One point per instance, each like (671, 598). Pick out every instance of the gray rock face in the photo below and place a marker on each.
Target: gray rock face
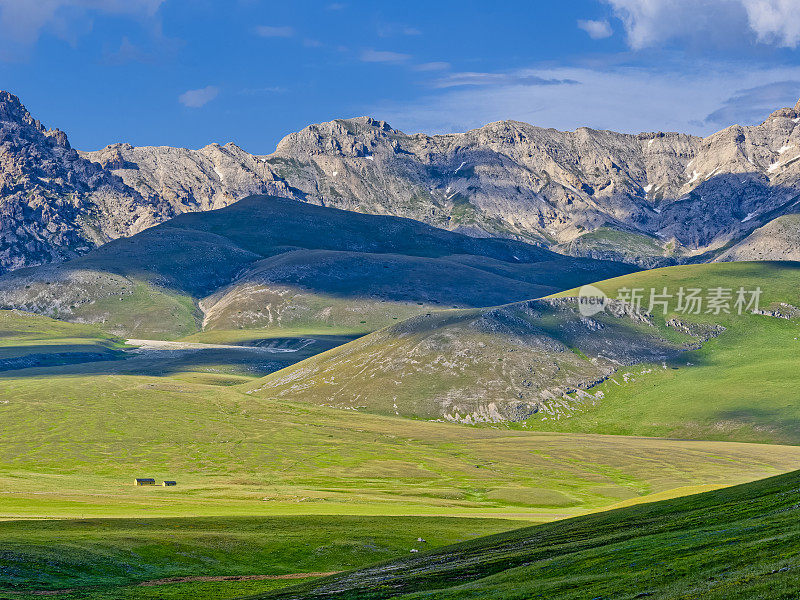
(184, 180)
(650, 199)
(57, 203)
(53, 203)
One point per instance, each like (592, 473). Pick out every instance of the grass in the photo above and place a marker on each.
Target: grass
(45, 341)
(110, 558)
(73, 436)
(736, 543)
(739, 386)
(271, 486)
(607, 241)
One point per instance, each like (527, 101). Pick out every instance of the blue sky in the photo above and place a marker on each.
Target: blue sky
(188, 73)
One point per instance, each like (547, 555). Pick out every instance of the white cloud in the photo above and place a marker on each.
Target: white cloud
(697, 100)
(775, 21)
(379, 56)
(271, 31)
(199, 97)
(709, 22)
(524, 77)
(597, 30)
(22, 21)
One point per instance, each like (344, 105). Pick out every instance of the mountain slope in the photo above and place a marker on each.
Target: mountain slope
(651, 199)
(56, 204)
(779, 239)
(672, 197)
(276, 263)
(618, 372)
(735, 543)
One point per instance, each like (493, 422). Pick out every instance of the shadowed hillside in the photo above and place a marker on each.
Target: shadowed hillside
(276, 263)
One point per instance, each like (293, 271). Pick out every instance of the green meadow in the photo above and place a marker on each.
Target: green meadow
(739, 543)
(270, 487)
(742, 385)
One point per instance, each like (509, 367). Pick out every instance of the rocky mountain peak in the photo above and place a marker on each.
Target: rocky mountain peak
(12, 110)
(652, 198)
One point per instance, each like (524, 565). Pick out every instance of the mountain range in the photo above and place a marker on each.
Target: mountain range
(649, 199)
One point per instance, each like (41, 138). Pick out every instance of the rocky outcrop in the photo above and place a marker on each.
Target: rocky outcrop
(53, 203)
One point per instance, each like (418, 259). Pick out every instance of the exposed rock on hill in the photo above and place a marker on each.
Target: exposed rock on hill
(506, 363)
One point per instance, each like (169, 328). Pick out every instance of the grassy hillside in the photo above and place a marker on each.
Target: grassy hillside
(28, 340)
(704, 376)
(736, 543)
(75, 433)
(110, 558)
(479, 365)
(275, 263)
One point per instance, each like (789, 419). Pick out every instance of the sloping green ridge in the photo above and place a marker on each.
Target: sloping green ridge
(739, 542)
(739, 384)
(152, 284)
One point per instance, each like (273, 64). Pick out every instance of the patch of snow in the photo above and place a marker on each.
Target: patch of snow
(748, 217)
(650, 143)
(335, 173)
(689, 164)
(649, 186)
(774, 167)
(657, 210)
(797, 120)
(219, 173)
(448, 190)
(459, 167)
(695, 177)
(785, 148)
(370, 157)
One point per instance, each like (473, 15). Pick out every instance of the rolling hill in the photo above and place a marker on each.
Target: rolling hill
(273, 263)
(544, 365)
(736, 543)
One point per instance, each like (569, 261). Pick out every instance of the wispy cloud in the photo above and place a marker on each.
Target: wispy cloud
(271, 89)
(753, 104)
(699, 100)
(709, 22)
(395, 29)
(272, 31)
(382, 56)
(199, 97)
(432, 66)
(336, 6)
(597, 30)
(22, 21)
(520, 78)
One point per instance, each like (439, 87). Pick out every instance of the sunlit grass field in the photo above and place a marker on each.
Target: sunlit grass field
(268, 487)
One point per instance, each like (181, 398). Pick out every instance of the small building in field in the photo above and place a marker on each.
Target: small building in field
(144, 481)
(169, 483)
